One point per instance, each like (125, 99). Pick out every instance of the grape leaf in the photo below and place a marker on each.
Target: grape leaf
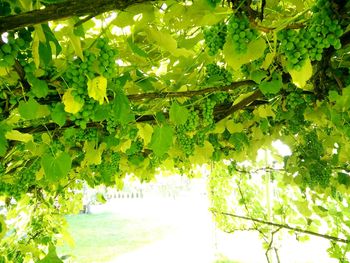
(58, 114)
(178, 114)
(202, 154)
(124, 19)
(268, 60)
(145, 83)
(32, 109)
(167, 42)
(121, 108)
(35, 49)
(258, 75)
(18, 136)
(136, 49)
(300, 77)
(57, 167)
(70, 104)
(93, 155)
(39, 87)
(342, 102)
(271, 87)
(234, 127)
(162, 139)
(45, 53)
(75, 40)
(97, 89)
(50, 37)
(234, 59)
(145, 132)
(100, 198)
(51, 257)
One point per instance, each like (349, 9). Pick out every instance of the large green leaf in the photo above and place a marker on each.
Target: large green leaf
(162, 139)
(178, 114)
(342, 102)
(39, 87)
(45, 53)
(121, 108)
(32, 109)
(235, 59)
(50, 37)
(273, 86)
(301, 76)
(57, 167)
(58, 114)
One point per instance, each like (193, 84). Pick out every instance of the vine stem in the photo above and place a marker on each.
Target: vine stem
(296, 229)
(63, 10)
(191, 93)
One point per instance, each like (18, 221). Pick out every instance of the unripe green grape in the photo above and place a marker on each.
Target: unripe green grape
(6, 48)
(214, 37)
(10, 60)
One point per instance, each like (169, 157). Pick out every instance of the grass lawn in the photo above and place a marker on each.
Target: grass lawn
(102, 237)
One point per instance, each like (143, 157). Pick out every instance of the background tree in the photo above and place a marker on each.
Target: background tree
(92, 90)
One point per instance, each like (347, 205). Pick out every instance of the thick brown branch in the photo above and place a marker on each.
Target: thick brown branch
(296, 229)
(240, 105)
(63, 10)
(191, 93)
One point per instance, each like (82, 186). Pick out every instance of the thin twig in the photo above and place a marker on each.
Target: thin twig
(296, 229)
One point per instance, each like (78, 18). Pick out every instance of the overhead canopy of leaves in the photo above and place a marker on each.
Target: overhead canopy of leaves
(91, 91)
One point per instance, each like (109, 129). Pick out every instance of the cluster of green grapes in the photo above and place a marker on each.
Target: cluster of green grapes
(239, 30)
(192, 122)
(90, 134)
(316, 171)
(200, 137)
(78, 72)
(25, 57)
(294, 47)
(73, 136)
(9, 51)
(6, 8)
(219, 97)
(319, 174)
(115, 158)
(208, 112)
(107, 170)
(322, 32)
(293, 114)
(107, 58)
(56, 146)
(217, 76)
(132, 131)
(24, 180)
(83, 117)
(295, 100)
(185, 141)
(111, 124)
(215, 37)
(214, 140)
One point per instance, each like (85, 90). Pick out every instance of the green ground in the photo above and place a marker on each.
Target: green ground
(102, 237)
